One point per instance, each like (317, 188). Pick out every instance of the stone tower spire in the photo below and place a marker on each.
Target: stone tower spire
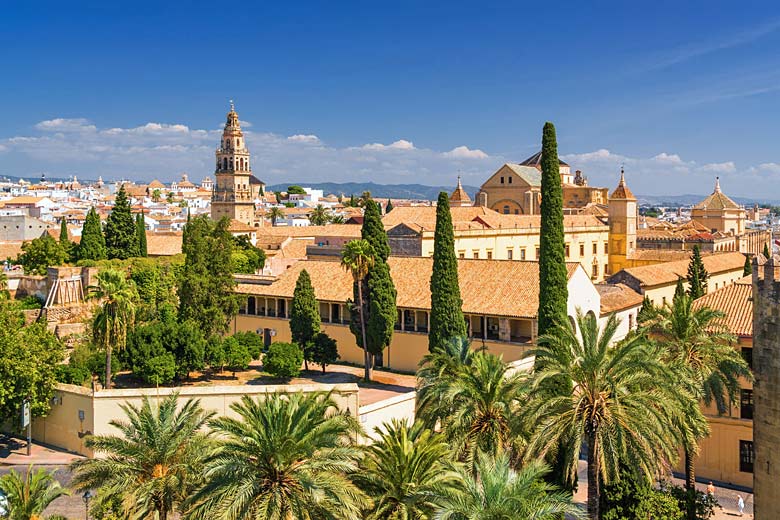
(717, 184)
(232, 195)
(622, 225)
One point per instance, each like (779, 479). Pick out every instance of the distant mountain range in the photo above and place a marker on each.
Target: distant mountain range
(689, 200)
(378, 191)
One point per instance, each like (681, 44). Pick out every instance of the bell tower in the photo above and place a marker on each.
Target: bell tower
(232, 195)
(622, 225)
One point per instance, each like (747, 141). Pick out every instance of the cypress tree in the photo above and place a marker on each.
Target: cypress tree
(304, 316)
(388, 206)
(121, 235)
(381, 312)
(140, 229)
(697, 275)
(748, 269)
(766, 251)
(553, 278)
(447, 320)
(65, 242)
(93, 244)
(679, 290)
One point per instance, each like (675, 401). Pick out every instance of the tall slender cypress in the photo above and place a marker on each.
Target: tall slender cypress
(381, 311)
(304, 316)
(92, 245)
(447, 320)
(766, 251)
(140, 229)
(65, 242)
(747, 270)
(697, 275)
(121, 235)
(679, 290)
(553, 278)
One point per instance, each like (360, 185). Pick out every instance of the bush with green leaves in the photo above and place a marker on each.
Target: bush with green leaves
(283, 360)
(30, 302)
(252, 341)
(215, 356)
(633, 497)
(165, 350)
(324, 350)
(236, 355)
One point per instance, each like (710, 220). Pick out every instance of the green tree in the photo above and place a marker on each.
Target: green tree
(319, 216)
(140, 229)
(406, 472)
(553, 277)
(679, 290)
(92, 245)
(304, 315)
(252, 341)
(388, 206)
(484, 402)
(497, 491)
(155, 463)
(245, 257)
(747, 270)
(29, 356)
(275, 213)
(295, 190)
(156, 195)
(446, 321)
(65, 242)
(634, 497)
(121, 234)
(206, 284)
(324, 351)
(707, 364)
(41, 253)
(624, 406)
(357, 258)
(697, 275)
(169, 197)
(378, 285)
(288, 456)
(646, 312)
(766, 251)
(437, 373)
(215, 353)
(116, 314)
(236, 355)
(27, 496)
(283, 360)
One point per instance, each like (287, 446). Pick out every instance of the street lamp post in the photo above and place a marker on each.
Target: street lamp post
(85, 497)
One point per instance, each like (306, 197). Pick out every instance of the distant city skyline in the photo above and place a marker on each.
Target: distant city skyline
(396, 94)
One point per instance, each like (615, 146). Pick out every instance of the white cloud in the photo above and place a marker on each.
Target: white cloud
(664, 157)
(599, 155)
(464, 152)
(66, 125)
(401, 144)
(304, 138)
(724, 167)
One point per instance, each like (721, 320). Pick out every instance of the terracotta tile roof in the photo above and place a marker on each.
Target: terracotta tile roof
(492, 287)
(332, 230)
(460, 195)
(24, 199)
(295, 248)
(622, 191)
(424, 217)
(10, 250)
(597, 210)
(236, 226)
(662, 255)
(156, 185)
(736, 302)
(668, 272)
(717, 200)
(617, 297)
(163, 244)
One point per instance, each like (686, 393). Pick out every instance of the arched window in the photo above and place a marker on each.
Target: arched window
(241, 163)
(224, 163)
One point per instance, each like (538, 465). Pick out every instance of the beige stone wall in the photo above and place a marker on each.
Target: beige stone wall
(376, 415)
(664, 293)
(64, 428)
(766, 367)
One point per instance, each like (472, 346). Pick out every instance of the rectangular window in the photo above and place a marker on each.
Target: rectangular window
(489, 254)
(509, 179)
(595, 271)
(537, 253)
(567, 250)
(746, 404)
(747, 355)
(595, 248)
(502, 180)
(461, 254)
(522, 254)
(606, 248)
(582, 250)
(476, 254)
(509, 253)
(746, 456)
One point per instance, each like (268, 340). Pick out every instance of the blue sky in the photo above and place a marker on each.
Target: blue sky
(396, 91)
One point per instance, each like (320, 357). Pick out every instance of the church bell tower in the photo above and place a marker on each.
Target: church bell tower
(232, 195)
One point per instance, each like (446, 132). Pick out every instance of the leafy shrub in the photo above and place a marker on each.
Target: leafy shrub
(215, 353)
(236, 355)
(283, 360)
(31, 302)
(253, 343)
(324, 350)
(158, 370)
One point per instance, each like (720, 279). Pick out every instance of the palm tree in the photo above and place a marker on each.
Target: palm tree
(497, 492)
(288, 457)
(438, 370)
(115, 315)
(619, 400)
(155, 464)
(28, 496)
(406, 472)
(275, 213)
(703, 356)
(358, 258)
(484, 402)
(319, 216)
(156, 195)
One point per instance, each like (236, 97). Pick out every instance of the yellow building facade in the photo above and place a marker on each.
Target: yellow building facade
(622, 226)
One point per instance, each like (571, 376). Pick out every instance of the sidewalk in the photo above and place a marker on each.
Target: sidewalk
(13, 452)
